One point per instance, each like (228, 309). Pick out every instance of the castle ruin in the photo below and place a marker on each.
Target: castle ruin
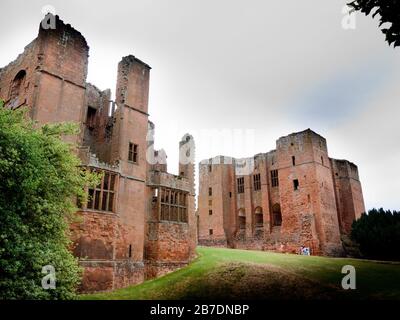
(139, 221)
(282, 200)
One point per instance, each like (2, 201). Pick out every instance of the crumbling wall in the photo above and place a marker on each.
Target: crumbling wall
(99, 123)
(348, 191)
(305, 196)
(26, 63)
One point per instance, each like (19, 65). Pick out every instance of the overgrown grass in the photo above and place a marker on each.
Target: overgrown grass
(227, 273)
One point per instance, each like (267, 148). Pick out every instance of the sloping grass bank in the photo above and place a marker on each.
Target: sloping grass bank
(242, 274)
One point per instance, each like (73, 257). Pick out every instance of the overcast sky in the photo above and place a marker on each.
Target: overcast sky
(254, 69)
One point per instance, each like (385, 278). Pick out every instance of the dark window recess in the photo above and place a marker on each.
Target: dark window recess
(133, 152)
(16, 89)
(173, 205)
(210, 232)
(257, 182)
(230, 194)
(210, 192)
(294, 160)
(276, 215)
(210, 212)
(209, 168)
(91, 118)
(130, 251)
(242, 223)
(296, 184)
(102, 196)
(240, 185)
(322, 160)
(258, 217)
(274, 178)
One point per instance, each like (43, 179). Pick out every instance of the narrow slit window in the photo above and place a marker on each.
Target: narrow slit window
(296, 184)
(257, 182)
(294, 160)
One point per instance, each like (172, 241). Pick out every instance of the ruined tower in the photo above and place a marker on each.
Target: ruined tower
(290, 197)
(122, 238)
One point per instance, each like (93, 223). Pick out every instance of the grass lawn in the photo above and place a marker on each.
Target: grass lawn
(242, 274)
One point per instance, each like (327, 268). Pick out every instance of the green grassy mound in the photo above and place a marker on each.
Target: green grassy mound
(220, 273)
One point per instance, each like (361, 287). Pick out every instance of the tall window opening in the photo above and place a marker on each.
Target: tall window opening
(16, 89)
(133, 152)
(274, 178)
(257, 182)
(242, 219)
(276, 215)
(103, 195)
(90, 118)
(240, 185)
(296, 184)
(258, 217)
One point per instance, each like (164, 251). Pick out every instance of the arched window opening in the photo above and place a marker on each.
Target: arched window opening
(16, 89)
(276, 215)
(242, 219)
(258, 217)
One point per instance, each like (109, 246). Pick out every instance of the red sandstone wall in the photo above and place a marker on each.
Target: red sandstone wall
(349, 197)
(214, 180)
(110, 245)
(27, 61)
(309, 214)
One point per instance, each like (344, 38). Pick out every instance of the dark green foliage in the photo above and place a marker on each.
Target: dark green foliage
(39, 179)
(378, 234)
(389, 12)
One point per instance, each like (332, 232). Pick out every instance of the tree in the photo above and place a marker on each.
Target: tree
(389, 11)
(40, 179)
(378, 234)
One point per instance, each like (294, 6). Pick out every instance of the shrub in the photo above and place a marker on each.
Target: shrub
(40, 178)
(378, 234)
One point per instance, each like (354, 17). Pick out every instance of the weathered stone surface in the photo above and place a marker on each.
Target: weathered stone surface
(322, 206)
(112, 237)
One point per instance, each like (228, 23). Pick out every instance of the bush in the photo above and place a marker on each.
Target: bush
(39, 180)
(378, 234)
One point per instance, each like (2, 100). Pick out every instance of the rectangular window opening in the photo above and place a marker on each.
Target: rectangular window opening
(240, 185)
(133, 152)
(257, 182)
(274, 178)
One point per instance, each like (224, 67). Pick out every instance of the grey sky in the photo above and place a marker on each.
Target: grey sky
(268, 67)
